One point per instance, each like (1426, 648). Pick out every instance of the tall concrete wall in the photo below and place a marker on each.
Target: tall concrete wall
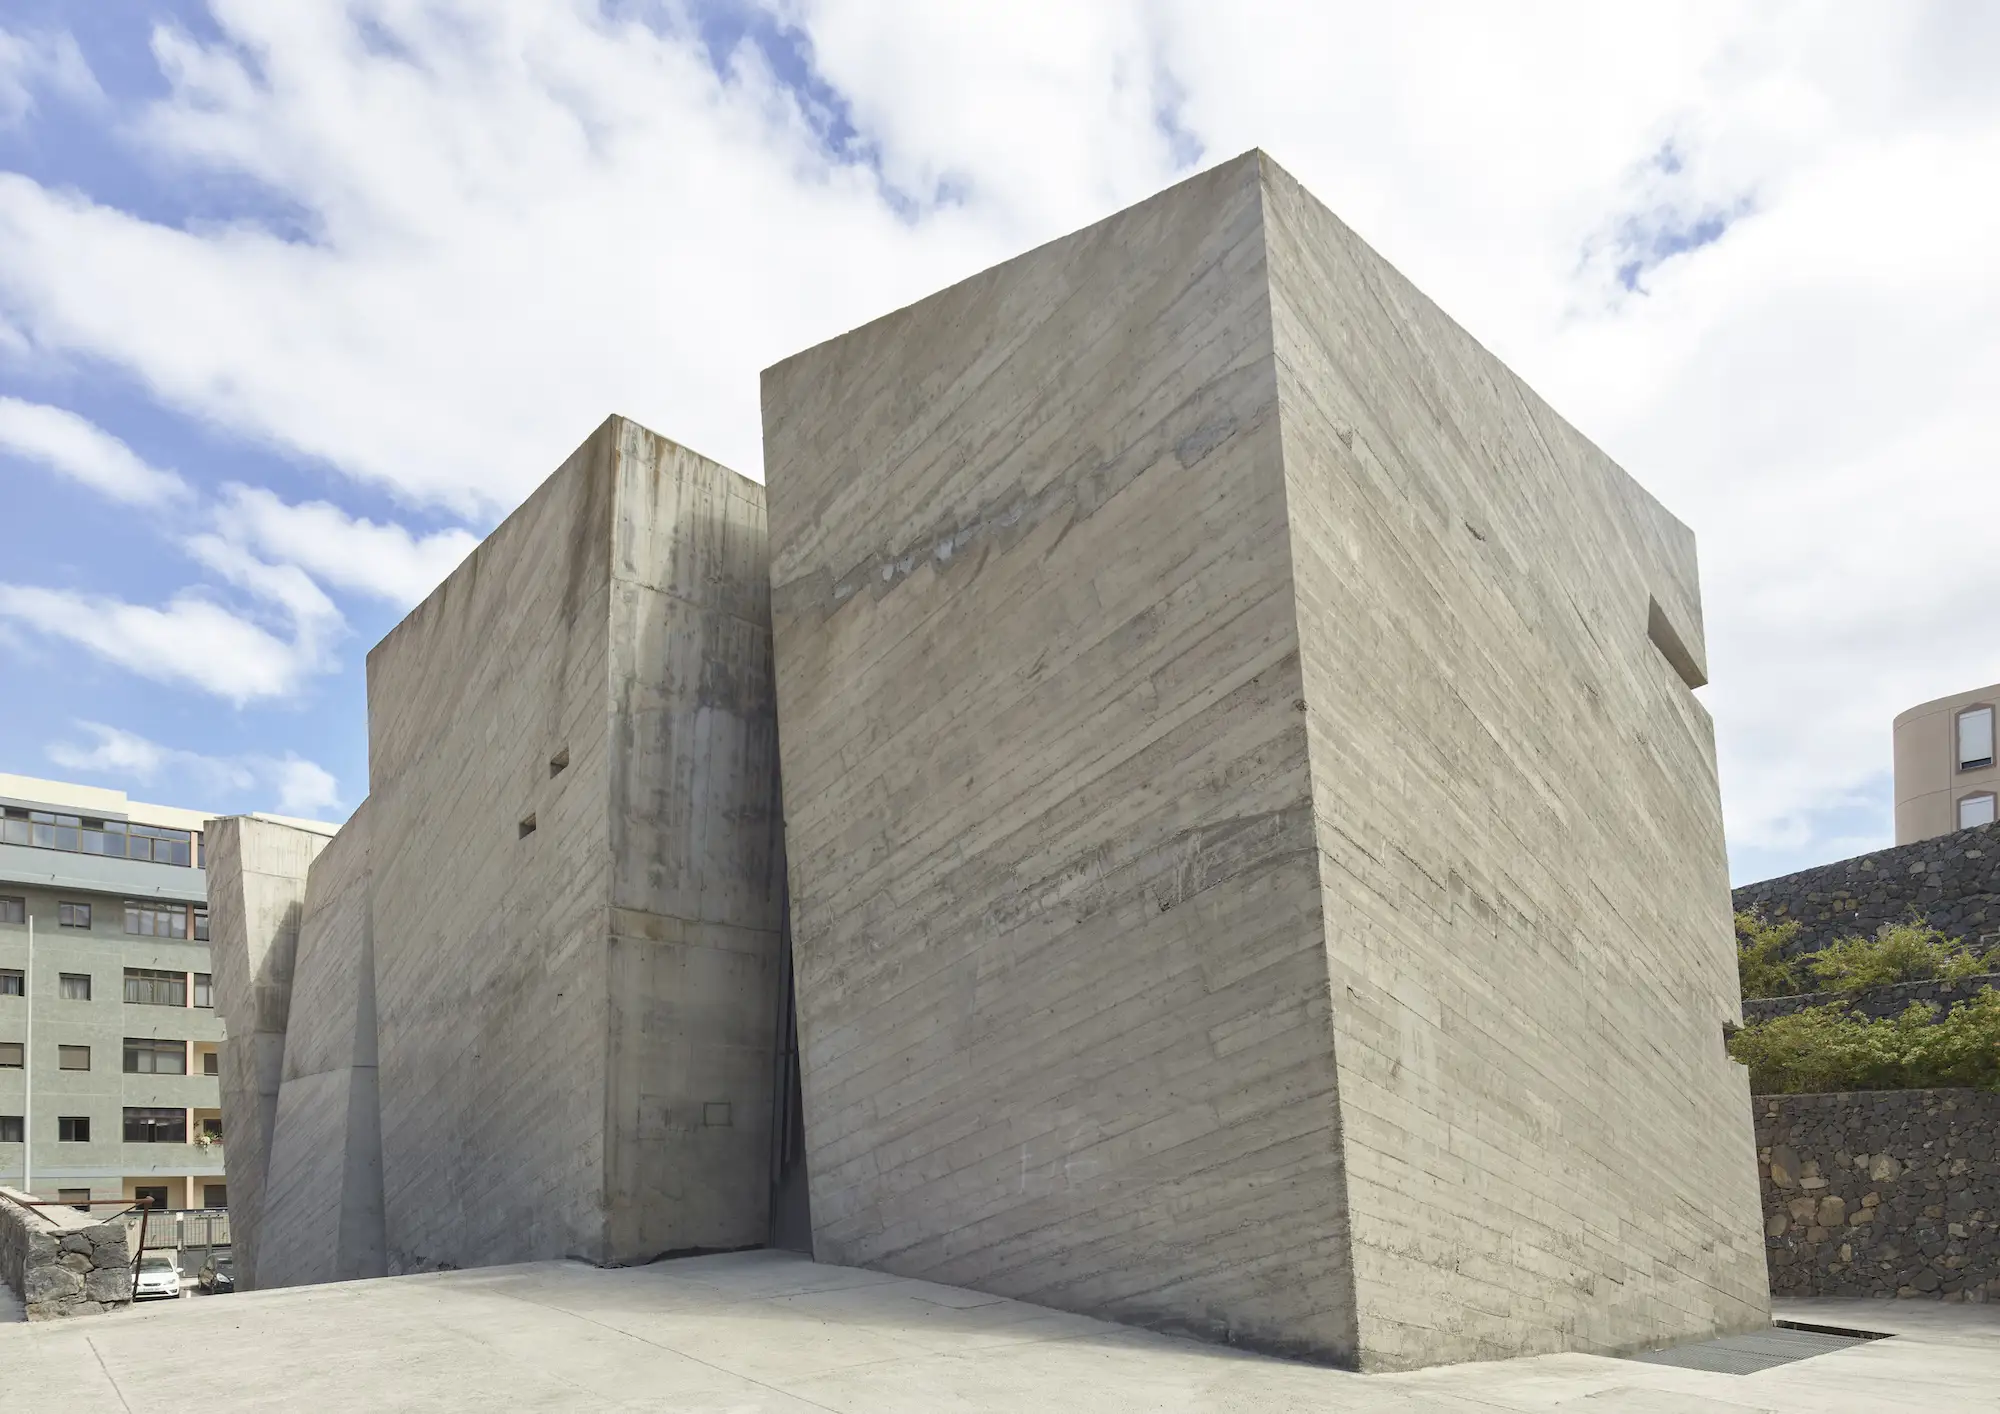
(1169, 748)
(1038, 679)
(574, 874)
(1524, 888)
(697, 856)
(322, 1210)
(256, 896)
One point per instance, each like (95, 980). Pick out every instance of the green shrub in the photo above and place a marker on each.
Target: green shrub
(1828, 1048)
(1761, 968)
(1908, 952)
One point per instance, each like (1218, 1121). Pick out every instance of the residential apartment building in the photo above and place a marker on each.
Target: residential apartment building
(1946, 778)
(109, 1040)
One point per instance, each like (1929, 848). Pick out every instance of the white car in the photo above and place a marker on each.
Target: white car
(158, 1278)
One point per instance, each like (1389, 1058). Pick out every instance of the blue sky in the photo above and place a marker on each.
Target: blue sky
(65, 535)
(297, 300)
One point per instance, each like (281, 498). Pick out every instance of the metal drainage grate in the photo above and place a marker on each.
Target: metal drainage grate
(1760, 1350)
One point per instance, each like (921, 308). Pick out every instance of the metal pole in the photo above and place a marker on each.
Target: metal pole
(145, 1208)
(28, 1073)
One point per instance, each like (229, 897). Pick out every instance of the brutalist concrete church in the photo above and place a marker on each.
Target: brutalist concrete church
(1181, 800)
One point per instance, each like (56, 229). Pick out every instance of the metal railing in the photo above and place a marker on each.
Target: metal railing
(140, 1206)
(186, 1227)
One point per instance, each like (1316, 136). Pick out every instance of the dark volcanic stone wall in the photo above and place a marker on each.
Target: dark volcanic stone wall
(1881, 1193)
(1877, 1002)
(1953, 881)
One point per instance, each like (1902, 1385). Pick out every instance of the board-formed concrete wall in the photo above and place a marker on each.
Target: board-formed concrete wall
(1256, 863)
(322, 1212)
(256, 896)
(576, 878)
(1524, 887)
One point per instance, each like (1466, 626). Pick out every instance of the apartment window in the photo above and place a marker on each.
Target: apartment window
(73, 1129)
(83, 834)
(75, 986)
(215, 1195)
(10, 1129)
(204, 990)
(13, 1055)
(144, 1126)
(147, 1056)
(211, 1062)
(73, 915)
(13, 981)
(150, 1196)
(200, 850)
(200, 924)
(13, 910)
(1975, 810)
(145, 986)
(212, 1129)
(161, 846)
(1975, 738)
(156, 920)
(72, 1058)
(77, 1197)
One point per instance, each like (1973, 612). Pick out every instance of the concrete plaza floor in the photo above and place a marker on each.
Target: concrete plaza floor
(765, 1331)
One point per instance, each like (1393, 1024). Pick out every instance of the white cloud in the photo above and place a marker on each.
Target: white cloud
(348, 552)
(290, 784)
(286, 586)
(193, 641)
(117, 753)
(504, 219)
(85, 452)
(305, 788)
(51, 62)
(547, 219)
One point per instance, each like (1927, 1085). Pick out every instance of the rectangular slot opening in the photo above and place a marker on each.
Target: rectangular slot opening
(527, 824)
(1661, 630)
(558, 761)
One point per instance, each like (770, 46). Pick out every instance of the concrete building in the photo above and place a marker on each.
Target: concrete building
(527, 1004)
(1946, 778)
(258, 872)
(1256, 861)
(109, 1051)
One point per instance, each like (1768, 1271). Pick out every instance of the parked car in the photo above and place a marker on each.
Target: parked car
(218, 1278)
(158, 1278)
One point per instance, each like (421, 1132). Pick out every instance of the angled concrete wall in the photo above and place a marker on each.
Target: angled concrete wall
(1038, 679)
(1523, 882)
(322, 1211)
(1211, 684)
(576, 876)
(256, 897)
